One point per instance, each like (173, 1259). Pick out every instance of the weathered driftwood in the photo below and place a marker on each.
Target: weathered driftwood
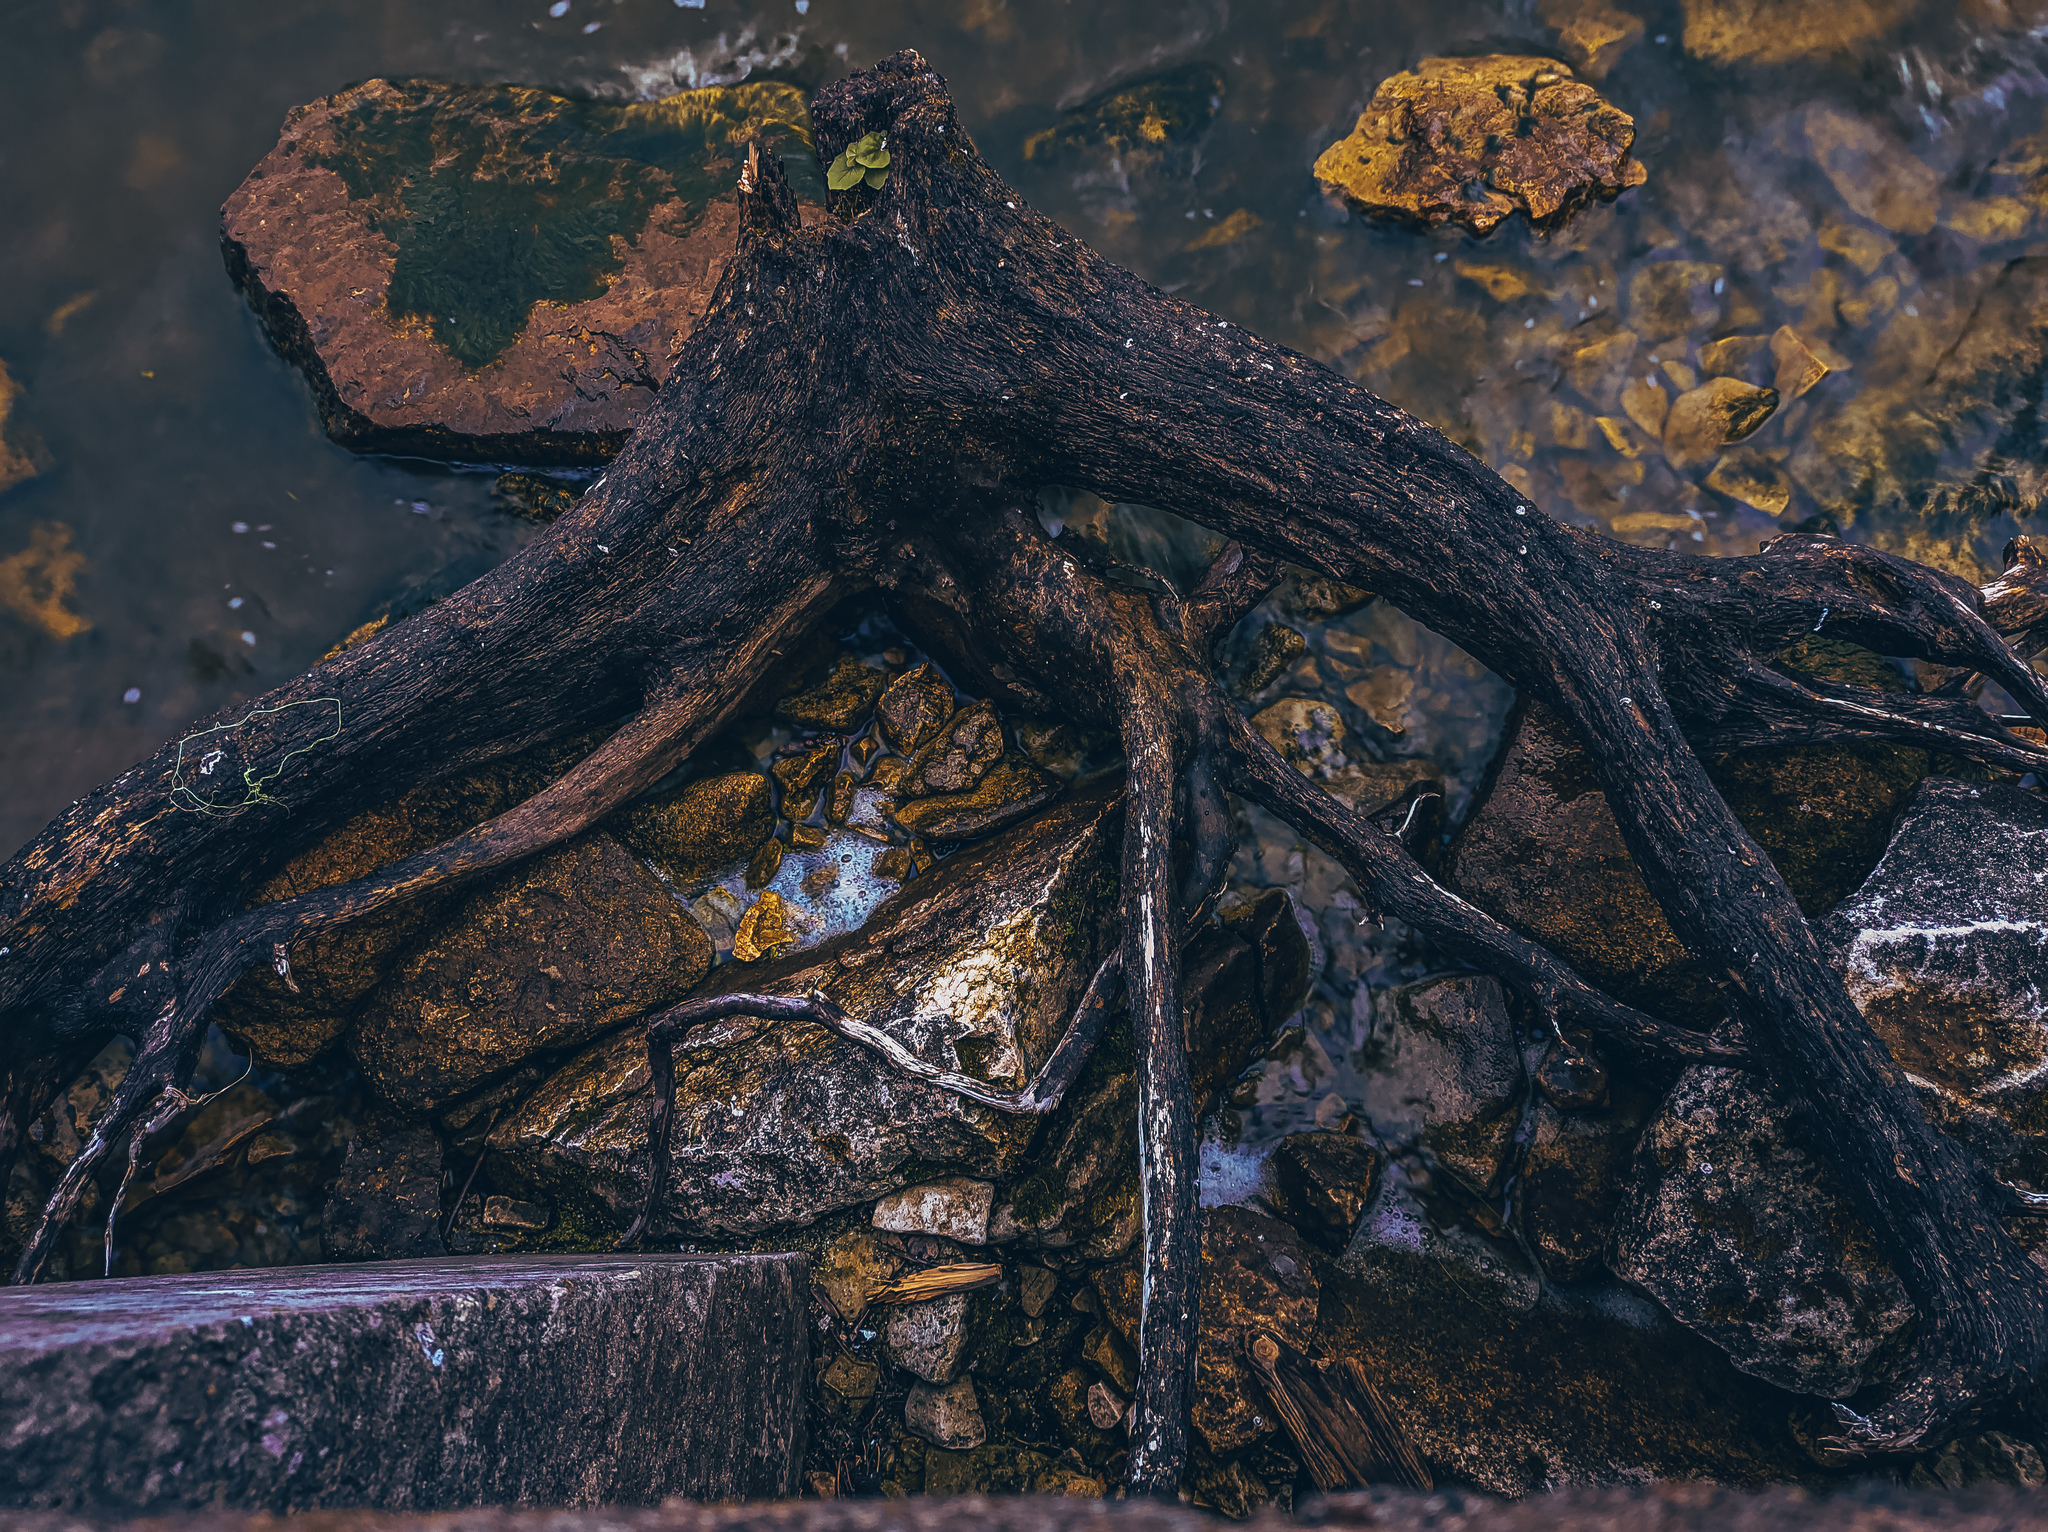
(863, 409)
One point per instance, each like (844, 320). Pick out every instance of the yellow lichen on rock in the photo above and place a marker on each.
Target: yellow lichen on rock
(1471, 141)
(40, 582)
(764, 929)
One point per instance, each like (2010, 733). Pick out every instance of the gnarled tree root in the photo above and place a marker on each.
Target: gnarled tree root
(859, 409)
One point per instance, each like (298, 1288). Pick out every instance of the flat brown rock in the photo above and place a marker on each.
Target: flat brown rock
(494, 272)
(1472, 141)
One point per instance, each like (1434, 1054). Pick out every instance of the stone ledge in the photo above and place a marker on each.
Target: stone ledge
(1691, 1507)
(408, 1385)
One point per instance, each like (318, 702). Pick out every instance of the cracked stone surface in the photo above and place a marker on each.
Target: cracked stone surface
(567, 1380)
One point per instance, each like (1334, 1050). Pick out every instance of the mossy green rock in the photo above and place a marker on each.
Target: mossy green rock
(494, 272)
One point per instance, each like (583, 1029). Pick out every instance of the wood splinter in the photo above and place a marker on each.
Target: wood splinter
(1347, 1435)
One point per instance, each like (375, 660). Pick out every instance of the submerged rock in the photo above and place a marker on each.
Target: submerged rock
(1145, 117)
(1472, 141)
(534, 496)
(1784, 31)
(1876, 176)
(1671, 298)
(976, 966)
(494, 272)
(1593, 33)
(1745, 1234)
(22, 454)
(1308, 732)
(1717, 414)
(1318, 598)
(571, 945)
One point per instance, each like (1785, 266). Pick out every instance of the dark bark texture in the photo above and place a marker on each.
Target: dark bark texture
(863, 410)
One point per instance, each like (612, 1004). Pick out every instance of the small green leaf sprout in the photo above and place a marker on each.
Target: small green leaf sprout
(867, 160)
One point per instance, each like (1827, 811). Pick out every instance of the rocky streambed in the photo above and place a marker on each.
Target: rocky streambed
(1557, 1266)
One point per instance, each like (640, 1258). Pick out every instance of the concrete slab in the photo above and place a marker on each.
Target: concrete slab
(408, 1385)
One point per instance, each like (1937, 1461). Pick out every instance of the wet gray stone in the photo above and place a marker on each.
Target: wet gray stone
(928, 1340)
(1746, 1235)
(1442, 1068)
(565, 1380)
(1945, 947)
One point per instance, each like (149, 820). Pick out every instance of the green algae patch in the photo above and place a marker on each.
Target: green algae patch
(500, 197)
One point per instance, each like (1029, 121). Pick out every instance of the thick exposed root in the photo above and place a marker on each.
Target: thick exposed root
(157, 1080)
(848, 381)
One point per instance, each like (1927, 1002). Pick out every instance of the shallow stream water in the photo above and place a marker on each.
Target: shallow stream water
(1861, 170)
